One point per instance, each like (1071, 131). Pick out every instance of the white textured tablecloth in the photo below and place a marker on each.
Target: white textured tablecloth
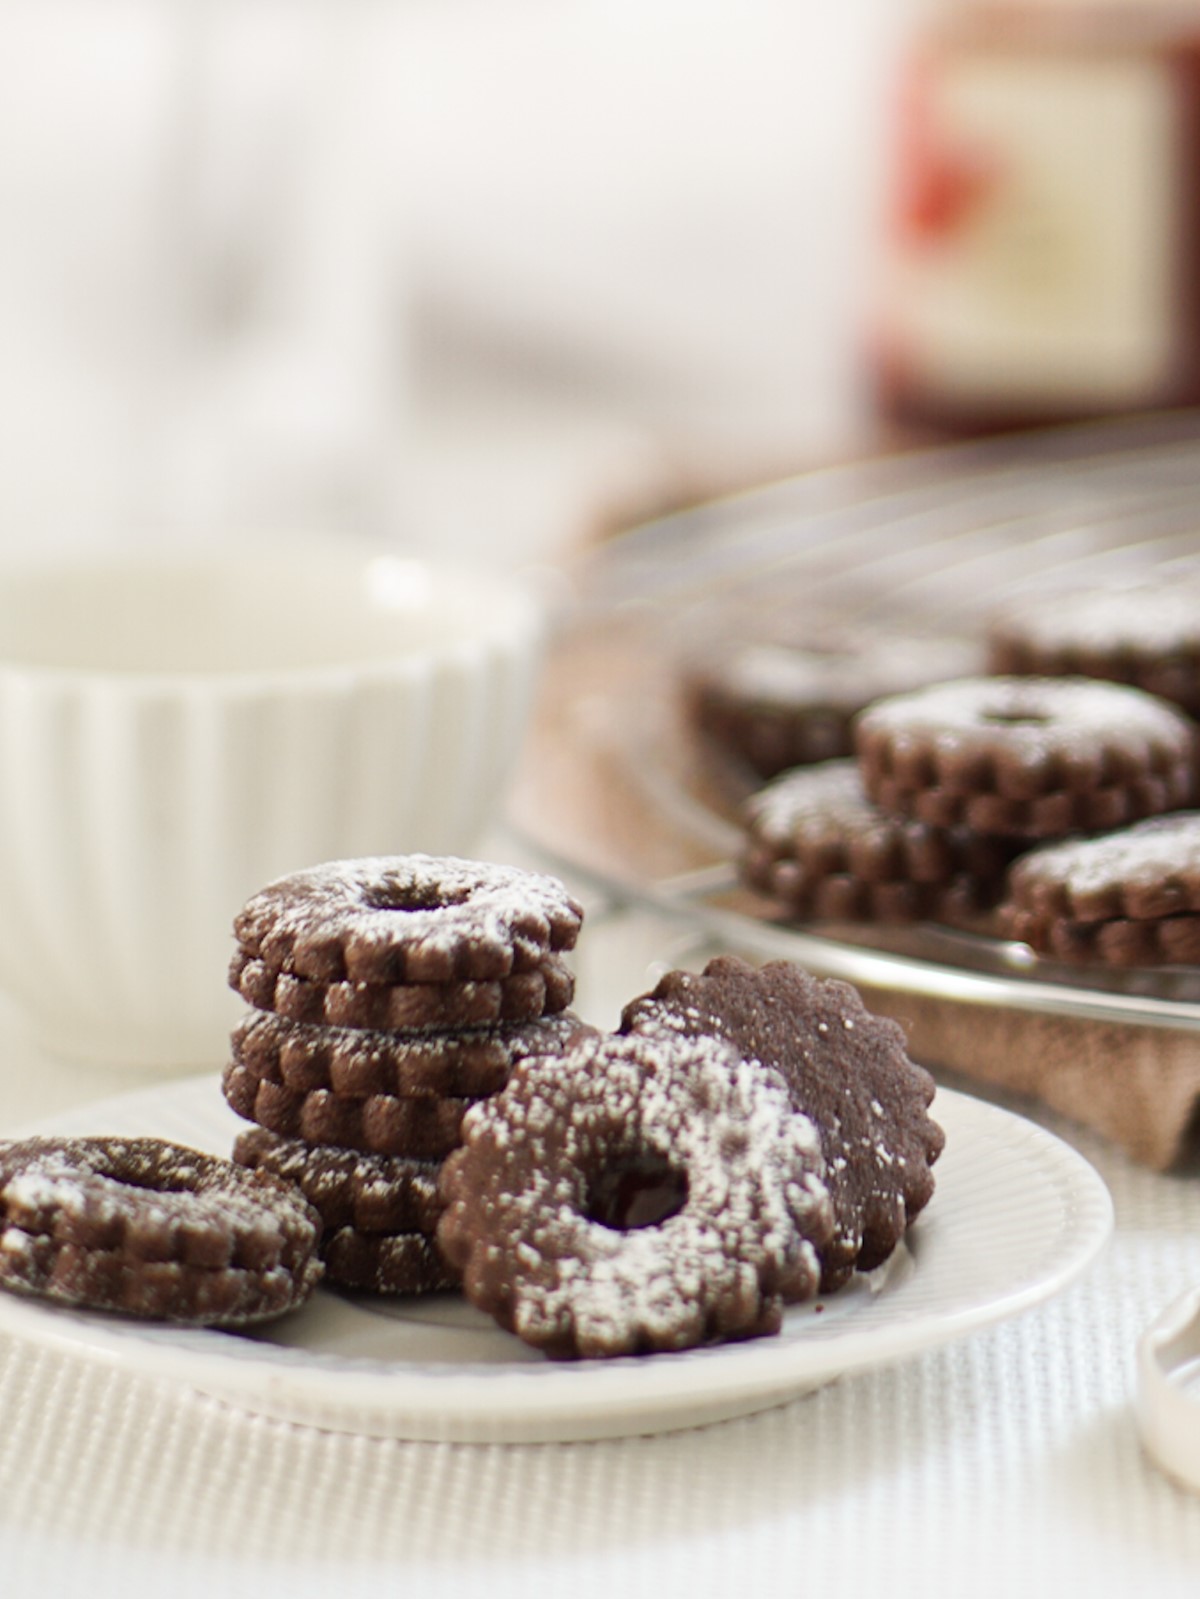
(1006, 1463)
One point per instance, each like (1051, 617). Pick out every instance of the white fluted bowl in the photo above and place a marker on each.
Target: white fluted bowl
(175, 734)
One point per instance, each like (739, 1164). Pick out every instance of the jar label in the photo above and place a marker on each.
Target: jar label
(1035, 237)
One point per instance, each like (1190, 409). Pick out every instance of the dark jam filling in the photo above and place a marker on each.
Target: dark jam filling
(636, 1193)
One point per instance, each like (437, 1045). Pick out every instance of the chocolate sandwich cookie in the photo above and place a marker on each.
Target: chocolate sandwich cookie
(426, 1127)
(640, 1194)
(152, 1229)
(777, 705)
(359, 1062)
(1145, 634)
(817, 846)
(408, 919)
(405, 1007)
(349, 1188)
(1126, 898)
(847, 1071)
(1026, 758)
(378, 1212)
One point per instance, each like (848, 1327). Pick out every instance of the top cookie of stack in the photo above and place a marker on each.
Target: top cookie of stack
(410, 942)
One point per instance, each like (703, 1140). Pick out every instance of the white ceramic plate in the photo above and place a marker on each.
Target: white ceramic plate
(1016, 1216)
(1168, 1389)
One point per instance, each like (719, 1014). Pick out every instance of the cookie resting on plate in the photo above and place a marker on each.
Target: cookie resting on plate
(847, 1070)
(408, 919)
(640, 1194)
(152, 1229)
(357, 1062)
(378, 1212)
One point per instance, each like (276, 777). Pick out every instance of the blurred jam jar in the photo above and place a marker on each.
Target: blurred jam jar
(1043, 247)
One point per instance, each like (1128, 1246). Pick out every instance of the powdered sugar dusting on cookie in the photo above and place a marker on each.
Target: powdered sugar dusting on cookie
(359, 1061)
(829, 795)
(389, 1263)
(140, 1187)
(1151, 619)
(409, 918)
(1143, 853)
(1029, 713)
(374, 1193)
(226, 1245)
(522, 1195)
(853, 669)
(1027, 757)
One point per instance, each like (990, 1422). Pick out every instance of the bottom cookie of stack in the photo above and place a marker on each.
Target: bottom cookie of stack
(379, 1212)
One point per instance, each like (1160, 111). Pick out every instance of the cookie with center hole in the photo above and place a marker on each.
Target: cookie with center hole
(640, 1194)
(349, 1188)
(405, 1007)
(426, 1127)
(773, 704)
(152, 1229)
(378, 1212)
(816, 845)
(1144, 633)
(358, 1062)
(410, 919)
(1027, 758)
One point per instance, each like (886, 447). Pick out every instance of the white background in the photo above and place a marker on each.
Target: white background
(404, 268)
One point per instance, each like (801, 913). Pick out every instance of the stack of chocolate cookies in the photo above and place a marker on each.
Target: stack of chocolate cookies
(389, 995)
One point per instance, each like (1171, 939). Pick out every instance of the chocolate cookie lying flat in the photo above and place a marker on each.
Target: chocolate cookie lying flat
(357, 1062)
(816, 845)
(775, 705)
(1027, 757)
(1146, 634)
(405, 1007)
(153, 1229)
(348, 1187)
(379, 1212)
(408, 919)
(425, 1128)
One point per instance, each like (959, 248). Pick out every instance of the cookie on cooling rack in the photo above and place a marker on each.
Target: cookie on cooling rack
(1027, 758)
(822, 851)
(1126, 898)
(777, 705)
(1143, 633)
